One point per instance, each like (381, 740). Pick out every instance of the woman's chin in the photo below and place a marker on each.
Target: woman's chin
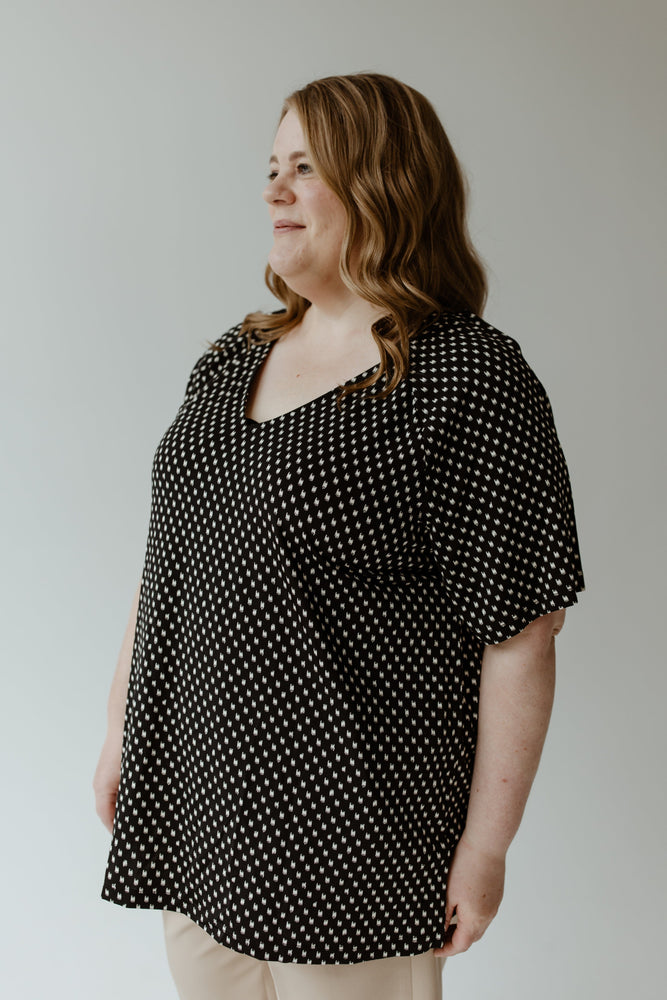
(290, 272)
(283, 264)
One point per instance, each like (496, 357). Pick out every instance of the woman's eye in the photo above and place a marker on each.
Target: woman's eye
(274, 173)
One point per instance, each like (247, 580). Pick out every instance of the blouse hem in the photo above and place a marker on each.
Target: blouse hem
(300, 957)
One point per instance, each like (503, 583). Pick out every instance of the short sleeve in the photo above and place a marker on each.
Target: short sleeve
(498, 504)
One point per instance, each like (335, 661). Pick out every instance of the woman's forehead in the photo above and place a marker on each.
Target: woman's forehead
(289, 138)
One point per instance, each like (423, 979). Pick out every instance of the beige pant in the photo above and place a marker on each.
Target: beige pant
(205, 970)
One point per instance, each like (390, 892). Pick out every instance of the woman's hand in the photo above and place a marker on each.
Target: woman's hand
(474, 890)
(107, 778)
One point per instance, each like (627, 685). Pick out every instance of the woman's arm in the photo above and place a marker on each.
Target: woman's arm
(515, 700)
(118, 692)
(107, 772)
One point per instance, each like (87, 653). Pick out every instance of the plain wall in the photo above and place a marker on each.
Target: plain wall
(135, 144)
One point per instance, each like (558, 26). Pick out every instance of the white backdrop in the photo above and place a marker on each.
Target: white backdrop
(135, 141)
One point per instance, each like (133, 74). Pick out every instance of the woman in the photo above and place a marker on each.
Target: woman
(338, 672)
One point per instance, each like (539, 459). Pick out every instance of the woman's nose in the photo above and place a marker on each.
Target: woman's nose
(278, 190)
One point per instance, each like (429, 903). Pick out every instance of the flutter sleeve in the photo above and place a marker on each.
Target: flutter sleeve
(498, 505)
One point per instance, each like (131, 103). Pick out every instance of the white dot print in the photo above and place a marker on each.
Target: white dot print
(317, 592)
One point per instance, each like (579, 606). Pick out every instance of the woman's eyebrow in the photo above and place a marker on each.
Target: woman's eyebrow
(292, 156)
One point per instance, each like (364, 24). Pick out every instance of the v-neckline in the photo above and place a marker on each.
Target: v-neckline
(254, 370)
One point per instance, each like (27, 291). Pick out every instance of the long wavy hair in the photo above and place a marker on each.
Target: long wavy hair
(381, 148)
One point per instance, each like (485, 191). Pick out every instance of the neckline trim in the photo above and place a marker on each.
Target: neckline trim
(245, 394)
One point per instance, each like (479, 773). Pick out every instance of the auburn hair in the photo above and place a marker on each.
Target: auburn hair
(381, 148)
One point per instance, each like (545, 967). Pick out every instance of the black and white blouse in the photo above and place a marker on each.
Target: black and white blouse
(316, 596)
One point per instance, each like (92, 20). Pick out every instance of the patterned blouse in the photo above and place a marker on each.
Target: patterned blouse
(317, 593)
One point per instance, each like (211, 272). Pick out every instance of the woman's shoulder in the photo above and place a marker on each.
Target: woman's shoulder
(220, 353)
(230, 342)
(462, 342)
(461, 361)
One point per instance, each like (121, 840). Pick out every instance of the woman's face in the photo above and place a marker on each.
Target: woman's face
(306, 252)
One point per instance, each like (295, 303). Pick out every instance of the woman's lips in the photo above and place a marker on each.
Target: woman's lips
(286, 227)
